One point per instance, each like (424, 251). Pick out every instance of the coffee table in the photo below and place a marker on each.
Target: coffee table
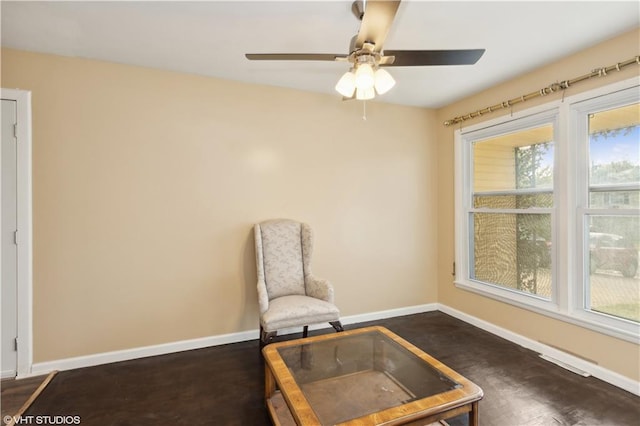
(367, 376)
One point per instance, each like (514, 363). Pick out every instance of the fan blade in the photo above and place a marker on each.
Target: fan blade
(295, 57)
(377, 19)
(413, 58)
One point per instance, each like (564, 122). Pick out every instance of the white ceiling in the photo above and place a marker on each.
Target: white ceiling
(211, 37)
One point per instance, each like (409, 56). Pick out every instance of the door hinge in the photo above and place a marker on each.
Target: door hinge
(454, 269)
(15, 344)
(15, 237)
(15, 130)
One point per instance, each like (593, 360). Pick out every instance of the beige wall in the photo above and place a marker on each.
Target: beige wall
(146, 185)
(611, 353)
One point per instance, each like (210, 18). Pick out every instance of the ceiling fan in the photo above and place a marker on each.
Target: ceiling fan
(365, 77)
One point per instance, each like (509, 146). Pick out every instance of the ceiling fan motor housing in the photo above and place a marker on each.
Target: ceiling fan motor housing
(358, 9)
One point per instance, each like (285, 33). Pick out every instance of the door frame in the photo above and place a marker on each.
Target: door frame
(25, 230)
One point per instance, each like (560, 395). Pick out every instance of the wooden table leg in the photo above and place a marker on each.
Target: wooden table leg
(473, 414)
(269, 382)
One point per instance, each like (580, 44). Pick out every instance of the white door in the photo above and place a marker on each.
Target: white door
(8, 155)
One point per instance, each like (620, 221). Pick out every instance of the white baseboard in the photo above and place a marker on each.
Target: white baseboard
(390, 313)
(186, 345)
(141, 352)
(595, 370)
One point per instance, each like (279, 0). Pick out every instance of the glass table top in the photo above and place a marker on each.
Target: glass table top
(352, 375)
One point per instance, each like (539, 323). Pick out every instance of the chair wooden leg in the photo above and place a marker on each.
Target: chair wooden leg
(266, 337)
(337, 325)
(305, 331)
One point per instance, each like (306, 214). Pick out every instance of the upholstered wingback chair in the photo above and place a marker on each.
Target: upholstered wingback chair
(289, 295)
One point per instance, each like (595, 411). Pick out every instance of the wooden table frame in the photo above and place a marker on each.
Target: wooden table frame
(463, 399)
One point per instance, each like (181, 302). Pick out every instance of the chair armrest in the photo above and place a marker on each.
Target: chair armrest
(319, 288)
(263, 296)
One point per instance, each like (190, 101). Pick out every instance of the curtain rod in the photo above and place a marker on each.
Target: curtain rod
(563, 85)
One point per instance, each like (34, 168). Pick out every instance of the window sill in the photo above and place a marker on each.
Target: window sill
(627, 330)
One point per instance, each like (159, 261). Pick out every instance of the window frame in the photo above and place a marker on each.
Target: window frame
(579, 112)
(568, 263)
(465, 209)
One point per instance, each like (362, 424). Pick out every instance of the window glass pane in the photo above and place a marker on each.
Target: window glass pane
(614, 199)
(513, 251)
(613, 280)
(518, 160)
(614, 158)
(534, 165)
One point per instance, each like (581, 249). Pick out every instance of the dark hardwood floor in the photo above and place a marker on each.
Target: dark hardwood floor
(14, 393)
(223, 385)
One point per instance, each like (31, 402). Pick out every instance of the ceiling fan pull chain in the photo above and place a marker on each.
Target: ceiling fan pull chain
(364, 110)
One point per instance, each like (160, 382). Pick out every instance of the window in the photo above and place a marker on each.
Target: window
(512, 201)
(608, 138)
(548, 209)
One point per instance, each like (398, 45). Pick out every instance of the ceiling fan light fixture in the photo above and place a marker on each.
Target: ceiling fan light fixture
(365, 94)
(383, 81)
(347, 84)
(364, 77)
(366, 53)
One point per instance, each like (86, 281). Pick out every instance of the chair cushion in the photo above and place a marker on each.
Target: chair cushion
(282, 257)
(296, 311)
